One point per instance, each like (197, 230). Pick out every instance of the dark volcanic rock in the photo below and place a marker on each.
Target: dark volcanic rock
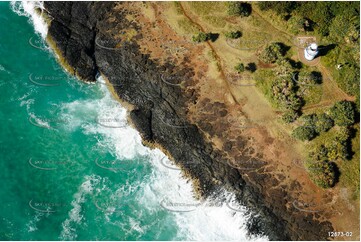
(84, 38)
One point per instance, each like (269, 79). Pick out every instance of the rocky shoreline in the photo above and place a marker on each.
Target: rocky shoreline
(86, 42)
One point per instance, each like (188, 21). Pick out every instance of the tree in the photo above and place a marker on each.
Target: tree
(284, 66)
(239, 9)
(323, 173)
(239, 68)
(309, 78)
(233, 34)
(319, 154)
(201, 37)
(343, 113)
(339, 146)
(304, 133)
(310, 120)
(290, 115)
(293, 102)
(272, 53)
(284, 7)
(323, 123)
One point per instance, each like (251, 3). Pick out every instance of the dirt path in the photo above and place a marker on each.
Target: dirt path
(219, 61)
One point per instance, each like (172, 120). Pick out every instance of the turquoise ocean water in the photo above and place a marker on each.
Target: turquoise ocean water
(72, 169)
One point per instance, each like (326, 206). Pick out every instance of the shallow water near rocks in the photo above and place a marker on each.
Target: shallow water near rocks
(73, 169)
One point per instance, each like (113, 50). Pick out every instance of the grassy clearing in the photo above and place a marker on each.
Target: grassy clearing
(313, 95)
(350, 170)
(187, 26)
(206, 8)
(178, 8)
(215, 21)
(264, 79)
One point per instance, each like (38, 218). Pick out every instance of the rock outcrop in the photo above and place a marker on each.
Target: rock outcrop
(87, 44)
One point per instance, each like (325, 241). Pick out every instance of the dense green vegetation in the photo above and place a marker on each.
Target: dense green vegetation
(239, 68)
(329, 132)
(272, 53)
(239, 9)
(323, 173)
(233, 34)
(343, 113)
(337, 26)
(201, 37)
(304, 133)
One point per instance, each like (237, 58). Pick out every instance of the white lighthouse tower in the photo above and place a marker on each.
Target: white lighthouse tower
(311, 51)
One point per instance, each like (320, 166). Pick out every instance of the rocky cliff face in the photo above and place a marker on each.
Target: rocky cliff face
(85, 36)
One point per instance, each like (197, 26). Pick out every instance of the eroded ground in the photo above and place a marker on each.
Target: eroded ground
(229, 108)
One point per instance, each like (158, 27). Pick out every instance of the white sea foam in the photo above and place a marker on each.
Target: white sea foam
(203, 222)
(27, 8)
(75, 216)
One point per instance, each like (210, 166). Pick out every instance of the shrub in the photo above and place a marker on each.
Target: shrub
(304, 133)
(201, 37)
(310, 120)
(239, 68)
(296, 23)
(323, 123)
(293, 102)
(337, 150)
(233, 34)
(272, 53)
(339, 147)
(348, 79)
(320, 153)
(284, 7)
(323, 173)
(284, 66)
(309, 78)
(289, 116)
(283, 93)
(239, 9)
(343, 113)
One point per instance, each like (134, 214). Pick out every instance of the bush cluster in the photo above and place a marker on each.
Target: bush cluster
(201, 37)
(239, 9)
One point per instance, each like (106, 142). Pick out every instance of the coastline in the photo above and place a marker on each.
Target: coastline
(139, 119)
(129, 107)
(196, 184)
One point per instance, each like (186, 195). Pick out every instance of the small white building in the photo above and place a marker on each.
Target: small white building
(311, 51)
